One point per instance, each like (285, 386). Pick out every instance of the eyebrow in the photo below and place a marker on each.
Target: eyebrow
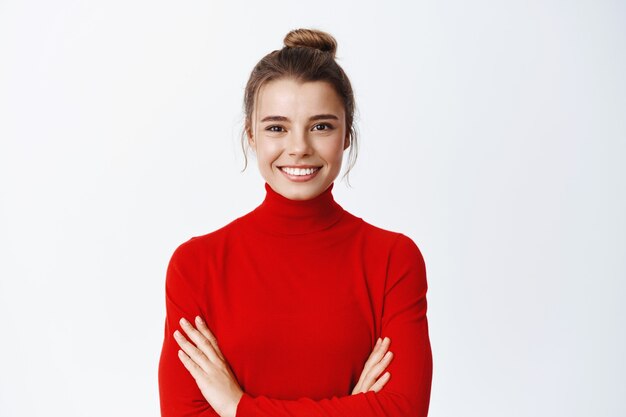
(286, 119)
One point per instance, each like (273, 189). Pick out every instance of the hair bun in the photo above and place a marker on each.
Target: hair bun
(311, 38)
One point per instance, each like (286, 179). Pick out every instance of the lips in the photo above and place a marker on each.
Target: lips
(300, 170)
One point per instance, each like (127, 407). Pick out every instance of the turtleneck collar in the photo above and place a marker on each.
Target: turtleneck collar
(278, 214)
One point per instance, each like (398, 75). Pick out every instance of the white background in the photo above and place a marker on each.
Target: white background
(493, 133)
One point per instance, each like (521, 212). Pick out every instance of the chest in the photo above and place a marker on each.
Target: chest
(298, 311)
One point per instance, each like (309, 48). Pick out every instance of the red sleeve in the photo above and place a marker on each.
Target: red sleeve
(407, 393)
(179, 394)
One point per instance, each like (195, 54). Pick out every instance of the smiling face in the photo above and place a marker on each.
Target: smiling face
(298, 134)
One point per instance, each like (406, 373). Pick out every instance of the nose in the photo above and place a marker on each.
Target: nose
(299, 144)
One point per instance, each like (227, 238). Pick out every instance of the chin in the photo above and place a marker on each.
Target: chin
(299, 191)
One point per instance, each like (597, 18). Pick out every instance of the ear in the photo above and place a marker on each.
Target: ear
(346, 142)
(250, 137)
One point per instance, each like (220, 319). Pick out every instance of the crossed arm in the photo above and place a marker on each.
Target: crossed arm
(406, 383)
(218, 384)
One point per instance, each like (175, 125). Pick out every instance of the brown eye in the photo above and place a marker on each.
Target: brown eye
(271, 128)
(325, 125)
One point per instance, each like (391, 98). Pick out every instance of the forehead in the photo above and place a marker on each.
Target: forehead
(291, 97)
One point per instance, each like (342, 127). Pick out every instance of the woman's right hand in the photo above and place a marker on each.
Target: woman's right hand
(376, 363)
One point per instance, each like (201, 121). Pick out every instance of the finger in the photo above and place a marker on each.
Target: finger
(194, 369)
(374, 358)
(372, 385)
(191, 350)
(206, 332)
(382, 346)
(198, 338)
(382, 364)
(377, 353)
(373, 371)
(376, 370)
(381, 382)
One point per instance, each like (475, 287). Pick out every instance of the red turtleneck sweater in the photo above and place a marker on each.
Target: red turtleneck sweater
(297, 293)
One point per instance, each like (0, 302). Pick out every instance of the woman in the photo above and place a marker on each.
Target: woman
(289, 303)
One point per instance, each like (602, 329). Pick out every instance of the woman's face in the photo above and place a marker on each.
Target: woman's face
(298, 134)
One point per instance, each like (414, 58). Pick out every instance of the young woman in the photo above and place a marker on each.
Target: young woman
(294, 309)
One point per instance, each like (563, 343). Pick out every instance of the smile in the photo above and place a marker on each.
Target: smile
(299, 171)
(300, 174)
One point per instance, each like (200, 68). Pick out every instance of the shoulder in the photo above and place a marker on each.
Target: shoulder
(394, 241)
(201, 246)
(401, 251)
(406, 252)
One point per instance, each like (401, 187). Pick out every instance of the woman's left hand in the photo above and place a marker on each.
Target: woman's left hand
(207, 365)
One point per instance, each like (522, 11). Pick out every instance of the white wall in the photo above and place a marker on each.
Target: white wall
(493, 133)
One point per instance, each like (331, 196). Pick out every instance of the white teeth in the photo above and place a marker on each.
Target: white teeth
(299, 171)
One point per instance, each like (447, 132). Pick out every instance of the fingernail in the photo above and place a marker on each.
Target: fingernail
(378, 342)
(199, 319)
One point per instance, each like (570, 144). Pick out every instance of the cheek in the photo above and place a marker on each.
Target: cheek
(267, 153)
(332, 151)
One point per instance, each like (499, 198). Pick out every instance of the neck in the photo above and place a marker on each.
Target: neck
(279, 215)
